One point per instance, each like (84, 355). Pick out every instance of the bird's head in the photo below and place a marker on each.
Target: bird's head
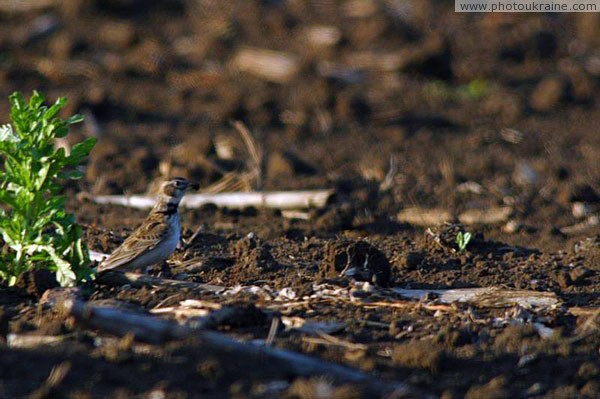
(173, 190)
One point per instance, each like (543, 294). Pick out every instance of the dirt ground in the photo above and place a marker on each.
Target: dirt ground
(473, 112)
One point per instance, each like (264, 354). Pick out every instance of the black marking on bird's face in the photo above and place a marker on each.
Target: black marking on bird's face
(176, 187)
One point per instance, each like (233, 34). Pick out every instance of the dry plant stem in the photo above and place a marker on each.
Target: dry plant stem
(272, 331)
(255, 151)
(143, 280)
(403, 305)
(27, 341)
(327, 339)
(424, 217)
(119, 322)
(249, 179)
(274, 66)
(189, 241)
(257, 199)
(56, 377)
(487, 297)
(150, 329)
(491, 297)
(438, 216)
(10, 6)
(581, 311)
(581, 227)
(216, 318)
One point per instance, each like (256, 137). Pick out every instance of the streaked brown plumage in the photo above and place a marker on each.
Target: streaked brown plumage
(158, 236)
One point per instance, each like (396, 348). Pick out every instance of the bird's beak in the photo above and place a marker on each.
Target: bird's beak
(192, 186)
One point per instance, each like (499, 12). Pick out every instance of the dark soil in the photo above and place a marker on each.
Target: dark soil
(477, 111)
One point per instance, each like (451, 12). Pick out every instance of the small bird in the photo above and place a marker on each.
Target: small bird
(158, 236)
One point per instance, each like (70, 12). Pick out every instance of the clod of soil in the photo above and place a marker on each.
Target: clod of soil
(410, 261)
(36, 282)
(253, 257)
(359, 260)
(495, 389)
(337, 218)
(548, 94)
(311, 388)
(421, 354)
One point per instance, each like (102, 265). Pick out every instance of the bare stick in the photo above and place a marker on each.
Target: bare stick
(217, 318)
(439, 216)
(143, 280)
(119, 322)
(56, 377)
(581, 227)
(9, 6)
(238, 200)
(29, 341)
(491, 215)
(490, 297)
(150, 329)
(424, 217)
(274, 66)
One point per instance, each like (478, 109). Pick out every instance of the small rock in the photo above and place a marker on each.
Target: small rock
(396, 327)
(525, 174)
(419, 354)
(495, 389)
(578, 275)
(323, 35)
(580, 210)
(273, 66)
(278, 166)
(58, 294)
(590, 390)
(511, 227)
(36, 282)
(339, 217)
(409, 262)
(585, 193)
(116, 35)
(588, 371)
(547, 94)
(564, 279)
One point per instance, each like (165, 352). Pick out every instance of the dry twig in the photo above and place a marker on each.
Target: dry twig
(258, 199)
(150, 329)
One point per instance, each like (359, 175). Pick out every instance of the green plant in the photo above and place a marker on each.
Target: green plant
(37, 231)
(462, 240)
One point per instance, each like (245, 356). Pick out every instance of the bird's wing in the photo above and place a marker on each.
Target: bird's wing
(141, 241)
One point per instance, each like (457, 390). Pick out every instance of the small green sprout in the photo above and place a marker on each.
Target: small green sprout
(36, 232)
(462, 240)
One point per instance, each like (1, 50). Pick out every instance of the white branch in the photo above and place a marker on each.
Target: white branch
(487, 297)
(238, 200)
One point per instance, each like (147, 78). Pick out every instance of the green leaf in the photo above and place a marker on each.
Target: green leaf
(36, 100)
(7, 134)
(64, 275)
(61, 131)
(42, 174)
(54, 109)
(72, 174)
(81, 150)
(17, 101)
(77, 118)
(37, 230)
